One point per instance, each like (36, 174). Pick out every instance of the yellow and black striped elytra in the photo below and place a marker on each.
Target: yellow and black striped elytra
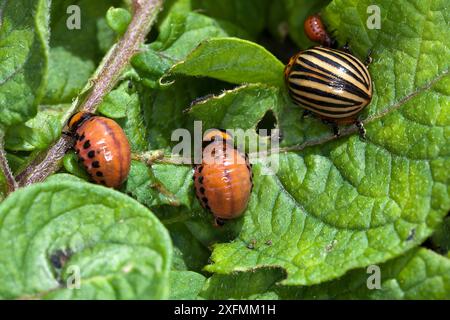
(330, 83)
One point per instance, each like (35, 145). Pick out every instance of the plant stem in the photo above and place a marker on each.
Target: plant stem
(106, 77)
(4, 167)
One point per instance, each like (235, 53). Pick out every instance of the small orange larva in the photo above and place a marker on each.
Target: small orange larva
(223, 181)
(316, 31)
(102, 147)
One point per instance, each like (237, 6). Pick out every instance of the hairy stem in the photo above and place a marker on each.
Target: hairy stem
(4, 167)
(106, 77)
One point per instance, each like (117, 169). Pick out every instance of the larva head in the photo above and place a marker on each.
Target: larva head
(217, 135)
(77, 120)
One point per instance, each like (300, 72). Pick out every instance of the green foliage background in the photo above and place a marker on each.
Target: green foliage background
(311, 229)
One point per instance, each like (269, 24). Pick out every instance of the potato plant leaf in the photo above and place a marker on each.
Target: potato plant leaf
(418, 274)
(185, 285)
(233, 60)
(179, 34)
(52, 231)
(74, 49)
(249, 15)
(23, 55)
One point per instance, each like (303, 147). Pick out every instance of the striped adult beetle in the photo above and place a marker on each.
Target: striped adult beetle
(331, 84)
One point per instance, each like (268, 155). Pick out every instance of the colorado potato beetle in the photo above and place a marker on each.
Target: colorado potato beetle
(223, 181)
(329, 83)
(316, 31)
(102, 147)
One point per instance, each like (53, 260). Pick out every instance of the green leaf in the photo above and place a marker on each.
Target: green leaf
(164, 110)
(119, 247)
(123, 104)
(258, 284)
(233, 60)
(418, 274)
(37, 133)
(74, 53)
(276, 21)
(23, 53)
(118, 19)
(242, 107)
(189, 253)
(72, 164)
(179, 34)
(106, 37)
(340, 204)
(185, 285)
(116, 103)
(250, 15)
(162, 184)
(441, 237)
(3, 186)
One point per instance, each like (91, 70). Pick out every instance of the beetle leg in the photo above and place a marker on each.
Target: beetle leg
(368, 60)
(331, 40)
(336, 130)
(334, 126)
(218, 222)
(306, 113)
(346, 47)
(333, 43)
(361, 129)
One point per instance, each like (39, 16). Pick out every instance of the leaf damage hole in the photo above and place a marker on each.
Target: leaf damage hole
(58, 260)
(267, 123)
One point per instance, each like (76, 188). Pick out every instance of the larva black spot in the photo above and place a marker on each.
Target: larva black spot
(202, 190)
(81, 138)
(96, 164)
(207, 208)
(200, 169)
(200, 180)
(82, 159)
(99, 174)
(91, 154)
(205, 200)
(87, 144)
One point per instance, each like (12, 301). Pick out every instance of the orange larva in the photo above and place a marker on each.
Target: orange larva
(102, 147)
(316, 31)
(223, 181)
